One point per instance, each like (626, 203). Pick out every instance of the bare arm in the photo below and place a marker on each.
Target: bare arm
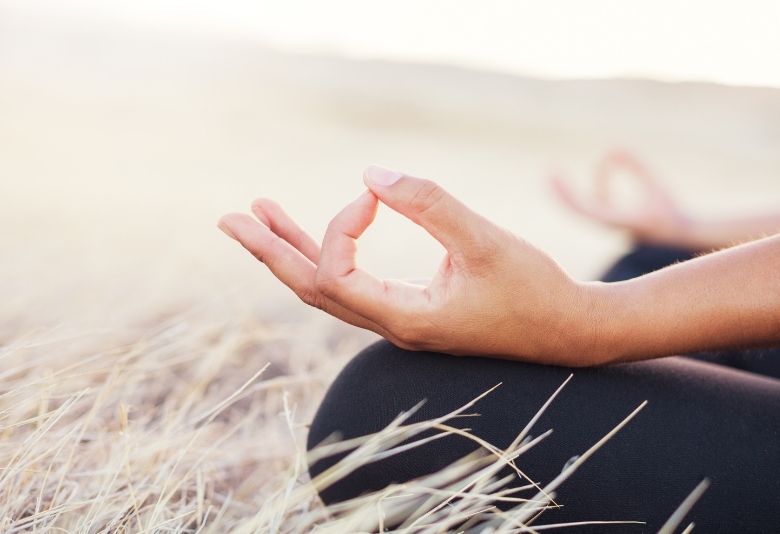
(497, 295)
(729, 298)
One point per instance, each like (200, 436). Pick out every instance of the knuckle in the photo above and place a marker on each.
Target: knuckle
(311, 297)
(328, 285)
(260, 248)
(256, 252)
(490, 247)
(491, 243)
(411, 332)
(405, 339)
(335, 227)
(428, 195)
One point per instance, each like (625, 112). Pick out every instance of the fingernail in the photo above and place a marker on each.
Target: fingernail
(222, 226)
(380, 176)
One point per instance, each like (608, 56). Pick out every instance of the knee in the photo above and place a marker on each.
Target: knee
(377, 385)
(383, 381)
(366, 396)
(356, 402)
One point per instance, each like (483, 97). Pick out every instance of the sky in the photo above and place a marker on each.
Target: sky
(731, 42)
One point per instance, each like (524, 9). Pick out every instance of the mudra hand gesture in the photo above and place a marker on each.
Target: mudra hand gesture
(656, 219)
(494, 293)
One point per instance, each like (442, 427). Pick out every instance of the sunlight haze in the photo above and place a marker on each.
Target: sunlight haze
(735, 43)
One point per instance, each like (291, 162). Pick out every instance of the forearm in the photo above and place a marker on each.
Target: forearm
(725, 299)
(709, 234)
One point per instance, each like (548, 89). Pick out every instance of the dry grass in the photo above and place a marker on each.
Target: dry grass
(199, 426)
(186, 425)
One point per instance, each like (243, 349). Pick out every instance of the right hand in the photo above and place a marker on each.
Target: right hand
(494, 295)
(658, 219)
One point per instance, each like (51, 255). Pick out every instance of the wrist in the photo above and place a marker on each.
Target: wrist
(580, 336)
(608, 334)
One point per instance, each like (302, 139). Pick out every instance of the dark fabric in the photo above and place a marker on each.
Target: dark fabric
(702, 420)
(643, 259)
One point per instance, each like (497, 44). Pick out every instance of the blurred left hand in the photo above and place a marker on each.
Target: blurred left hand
(657, 219)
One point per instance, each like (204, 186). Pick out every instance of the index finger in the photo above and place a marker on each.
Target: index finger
(340, 279)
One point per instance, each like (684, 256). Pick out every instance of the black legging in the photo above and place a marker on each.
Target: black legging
(703, 419)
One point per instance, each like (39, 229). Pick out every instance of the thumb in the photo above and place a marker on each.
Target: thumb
(426, 203)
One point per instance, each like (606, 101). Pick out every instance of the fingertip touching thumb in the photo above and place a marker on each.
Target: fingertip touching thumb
(376, 176)
(424, 202)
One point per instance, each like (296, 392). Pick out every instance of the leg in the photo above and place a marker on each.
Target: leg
(646, 258)
(701, 420)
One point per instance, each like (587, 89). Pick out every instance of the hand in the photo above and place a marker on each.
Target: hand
(494, 294)
(657, 220)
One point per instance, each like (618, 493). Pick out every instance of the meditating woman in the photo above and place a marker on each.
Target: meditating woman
(512, 315)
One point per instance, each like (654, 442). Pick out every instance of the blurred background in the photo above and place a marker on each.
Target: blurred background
(128, 128)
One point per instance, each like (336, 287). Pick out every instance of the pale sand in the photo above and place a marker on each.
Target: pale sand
(119, 149)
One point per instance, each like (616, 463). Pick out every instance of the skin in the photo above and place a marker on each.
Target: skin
(659, 219)
(497, 295)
